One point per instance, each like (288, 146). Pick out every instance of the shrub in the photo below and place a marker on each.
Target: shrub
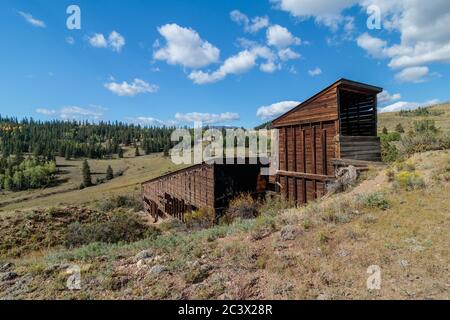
(307, 224)
(409, 180)
(121, 202)
(425, 126)
(421, 111)
(119, 228)
(374, 200)
(390, 136)
(243, 207)
(196, 275)
(390, 174)
(261, 262)
(264, 225)
(399, 128)
(425, 137)
(109, 173)
(201, 218)
(389, 152)
(273, 205)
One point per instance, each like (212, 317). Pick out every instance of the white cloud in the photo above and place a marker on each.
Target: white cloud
(250, 26)
(207, 118)
(326, 12)
(240, 63)
(374, 46)
(403, 105)
(269, 67)
(185, 47)
(276, 109)
(115, 41)
(147, 121)
(386, 97)
(280, 37)
(46, 112)
(70, 40)
(98, 40)
(75, 113)
(413, 74)
(126, 89)
(29, 18)
(288, 54)
(70, 113)
(315, 72)
(423, 29)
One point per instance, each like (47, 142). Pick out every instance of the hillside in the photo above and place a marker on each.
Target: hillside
(134, 171)
(441, 118)
(138, 169)
(324, 249)
(395, 218)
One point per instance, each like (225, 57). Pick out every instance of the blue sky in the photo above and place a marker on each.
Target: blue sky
(230, 62)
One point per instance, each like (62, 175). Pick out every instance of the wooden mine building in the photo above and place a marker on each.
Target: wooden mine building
(337, 126)
(206, 186)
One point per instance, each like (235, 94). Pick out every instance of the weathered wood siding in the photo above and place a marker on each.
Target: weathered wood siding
(306, 151)
(323, 107)
(322, 129)
(202, 187)
(360, 148)
(182, 191)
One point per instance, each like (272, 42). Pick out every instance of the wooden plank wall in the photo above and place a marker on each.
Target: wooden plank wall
(180, 192)
(360, 148)
(321, 108)
(306, 153)
(310, 137)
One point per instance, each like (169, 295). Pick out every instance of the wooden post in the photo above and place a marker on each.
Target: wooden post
(324, 153)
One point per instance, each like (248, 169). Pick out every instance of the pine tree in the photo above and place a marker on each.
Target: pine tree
(399, 128)
(166, 150)
(120, 153)
(136, 153)
(8, 183)
(86, 170)
(109, 173)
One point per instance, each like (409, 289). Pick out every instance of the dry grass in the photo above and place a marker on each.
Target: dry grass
(136, 170)
(391, 119)
(337, 240)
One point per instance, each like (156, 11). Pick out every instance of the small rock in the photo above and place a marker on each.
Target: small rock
(157, 270)
(260, 234)
(7, 276)
(146, 254)
(404, 263)
(343, 253)
(323, 296)
(103, 258)
(140, 263)
(6, 267)
(289, 233)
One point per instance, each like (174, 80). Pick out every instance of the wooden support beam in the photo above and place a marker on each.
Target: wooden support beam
(305, 194)
(314, 150)
(324, 153)
(309, 176)
(303, 141)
